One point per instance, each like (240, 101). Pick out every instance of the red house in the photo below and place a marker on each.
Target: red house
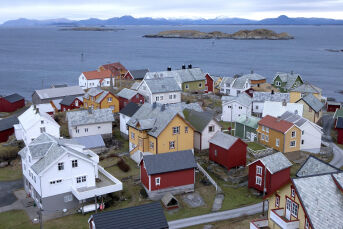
(71, 103)
(339, 128)
(127, 95)
(332, 106)
(271, 172)
(136, 74)
(171, 172)
(6, 127)
(209, 83)
(11, 103)
(227, 150)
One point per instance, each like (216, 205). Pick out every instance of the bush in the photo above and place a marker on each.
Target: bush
(143, 193)
(123, 166)
(8, 153)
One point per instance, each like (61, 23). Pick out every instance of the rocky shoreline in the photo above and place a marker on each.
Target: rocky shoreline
(257, 34)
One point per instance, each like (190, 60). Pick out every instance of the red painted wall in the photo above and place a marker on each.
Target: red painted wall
(5, 134)
(128, 76)
(144, 176)
(209, 84)
(123, 102)
(339, 136)
(332, 108)
(72, 105)
(6, 106)
(233, 157)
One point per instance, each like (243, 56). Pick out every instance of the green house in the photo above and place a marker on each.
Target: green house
(245, 127)
(287, 81)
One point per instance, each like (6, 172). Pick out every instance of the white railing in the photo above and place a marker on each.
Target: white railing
(277, 215)
(208, 177)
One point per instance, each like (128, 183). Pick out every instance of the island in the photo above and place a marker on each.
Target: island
(90, 29)
(257, 34)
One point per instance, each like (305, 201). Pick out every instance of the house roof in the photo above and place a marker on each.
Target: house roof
(117, 66)
(276, 109)
(268, 96)
(199, 120)
(84, 117)
(97, 74)
(7, 123)
(57, 103)
(90, 142)
(242, 99)
(51, 93)
(138, 74)
(249, 121)
(225, 80)
(338, 113)
(144, 216)
(275, 123)
(68, 100)
(130, 109)
(315, 166)
(298, 120)
(322, 199)
(169, 162)
(239, 82)
(102, 96)
(180, 75)
(307, 88)
(127, 93)
(45, 108)
(339, 123)
(94, 91)
(333, 103)
(135, 86)
(223, 140)
(161, 85)
(13, 98)
(265, 87)
(313, 102)
(289, 78)
(275, 162)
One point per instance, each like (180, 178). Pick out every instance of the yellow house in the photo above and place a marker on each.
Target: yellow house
(154, 129)
(100, 99)
(312, 107)
(278, 134)
(305, 89)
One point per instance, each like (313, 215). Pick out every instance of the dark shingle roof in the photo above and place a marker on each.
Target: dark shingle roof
(68, 100)
(313, 102)
(339, 123)
(138, 74)
(198, 120)
(168, 162)
(13, 98)
(7, 123)
(130, 109)
(146, 216)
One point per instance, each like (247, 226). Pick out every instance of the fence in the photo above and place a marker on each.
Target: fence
(218, 189)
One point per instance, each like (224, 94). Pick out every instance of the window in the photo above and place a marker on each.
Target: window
(52, 182)
(259, 170)
(60, 166)
(258, 180)
(99, 127)
(262, 128)
(158, 181)
(172, 145)
(294, 209)
(157, 98)
(42, 129)
(176, 130)
(187, 86)
(293, 192)
(77, 131)
(112, 108)
(200, 85)
(132, 135)
(256, 107)
(170, 96)
(302, 132)
(267, 129)
(277, 201)
(161, 97)
(109, 99)
(137, 96)
(267, 138)
(42, 122)
(309, 109)
(34, 178)
(211, 129)
(262, 137)
(86, 130)
(186, 129)
(81, 179)
(292, 144)
(151, 145)
(307, 224)
(277, 83)
(229, 107)
(59, 181)
(293, 134)
(302, 142)
(68, 198)
(215, 152)
(77, 103)
(240, 107)
(174, 96)
(277, 142)
(74, 163)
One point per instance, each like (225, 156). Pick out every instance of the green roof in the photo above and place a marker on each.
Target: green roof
(249, 121)
(338, 113)
(198, 120)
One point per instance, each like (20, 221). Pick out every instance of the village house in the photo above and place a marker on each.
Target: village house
(279, 134)
(33, 123)
(258, 99)
(46, 108)
(287, 81)
(160, 90)
(245, 127)
(338, 118)
(313, 107)
(315, 166)
(303, 90)
(171, 172)
(332, 106)
(227, 150)
(136, 74)
(135, 85)
(126, 96)
(117, 70)
(125, 115)
(96, 78)
(49, 94)
(90, 122)
(149, 215)
(276, 109)
(61, 175)
(233, 107)
(7, 127)
(96, 98)
(263, 87)
(311, 133)
(236, 85)
(11, 103)
(188, 79)
(205, 126)
(269, 173)
(70, 103)
(211, 83)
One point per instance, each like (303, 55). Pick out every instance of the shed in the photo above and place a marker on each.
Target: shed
(7, 127)
(11, 103)
(127, 95)
(332, 106)
(339, 128)
(245, 127)
(169, 201)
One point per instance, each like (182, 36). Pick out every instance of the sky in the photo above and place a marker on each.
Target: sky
(251, 9)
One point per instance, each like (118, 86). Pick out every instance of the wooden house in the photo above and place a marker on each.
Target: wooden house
(125, 115)
(71, 102)
(332, 106)
(339, 128)
(227, 150)
(96, 78)
(96, 98)
(287, 81)
(233, 107)
(245, 127)
(210, 83)
(11, 103)
(48, 94)
(303, 90)
(136, 74)
(312, 107)
(117, 70)
(7, 127)
(127, 96)
(270, 172)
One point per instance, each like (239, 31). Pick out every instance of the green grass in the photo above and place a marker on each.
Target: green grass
(11, 173)
(255, 146)
(226, 125)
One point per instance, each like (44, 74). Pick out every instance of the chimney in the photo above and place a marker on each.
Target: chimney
(169, 68)
(183, 66)
(189, 66)
(272, 92)
(252, 71)
(90, 110)
(284, 103)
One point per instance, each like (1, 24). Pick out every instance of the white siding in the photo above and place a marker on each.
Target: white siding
(312, 137)
(197, 140)
(91, 129)
(85, 84)
(257, 107)
(233, 113)
(206, 135)
(123, 120)
(162, 97)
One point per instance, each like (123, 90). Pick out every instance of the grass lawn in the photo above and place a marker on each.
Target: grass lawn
(255, 146)
(226, 125)
(10, 173)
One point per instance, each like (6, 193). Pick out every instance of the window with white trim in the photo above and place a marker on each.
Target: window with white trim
(294, 209)
(267, 129)
(293, 134)
(277, 142)
(161, 97)
(277, 201)
(262, 137)
(170, 96)
(267, 138)
(302, 132)
(151, 145)
(186, 86)
(132, 135)
(157, 98)
(176, 130)
(293, 192)
(258, 180)
(215, 152)
(86, 130)
(186, 129)
(68, 198)
(307, 223)
(158, 181)
(259, 170)
(42, 129)
(81, 179)
(211, 129)
(292, 144)
(262, 128)
(172, 145)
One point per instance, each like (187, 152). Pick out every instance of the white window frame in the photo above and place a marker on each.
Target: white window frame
(172, 145)
(176, 130)
(151, 145)
(294, 134)
(42, 130)
(60, 166)
(158, 181)
(267, 138)
(74, 164)
(68, 198)
(259, 170)
(258, 180)
(294, 209)
(295, 143)
(109, 99)
(211, 128)
(132, 135)
(277, 142)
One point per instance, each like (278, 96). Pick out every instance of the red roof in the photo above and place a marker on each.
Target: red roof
(97, 74)
(275, 123)
(114, 66)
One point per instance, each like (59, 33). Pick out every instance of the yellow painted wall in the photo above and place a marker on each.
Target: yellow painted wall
(103, 104)
(288, 139)
(295, 96)
(309, 113)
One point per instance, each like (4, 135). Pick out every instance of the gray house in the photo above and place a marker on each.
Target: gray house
(49, 94)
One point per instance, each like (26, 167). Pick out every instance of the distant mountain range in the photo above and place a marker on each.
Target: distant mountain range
(129, 20)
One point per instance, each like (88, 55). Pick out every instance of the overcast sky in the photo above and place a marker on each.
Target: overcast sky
(252, 9)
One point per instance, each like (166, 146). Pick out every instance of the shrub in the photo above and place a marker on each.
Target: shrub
(143, 193)
(8, 153)
(123, 166)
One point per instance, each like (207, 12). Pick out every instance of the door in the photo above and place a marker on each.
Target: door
(288, 208)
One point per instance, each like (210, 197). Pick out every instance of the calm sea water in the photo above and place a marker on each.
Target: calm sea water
(38, 57)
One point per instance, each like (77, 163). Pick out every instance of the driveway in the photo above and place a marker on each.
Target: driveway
(6, 191)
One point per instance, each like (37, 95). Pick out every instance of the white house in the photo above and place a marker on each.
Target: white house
(233, 107)
(32, 123)
(311, 133)
(125, 115)
(90, 122)
(60, 175)
(160, 90)
(276, 109)
(97, 78)
(259, 98)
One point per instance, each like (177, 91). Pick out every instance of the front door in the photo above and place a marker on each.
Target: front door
(288, 208)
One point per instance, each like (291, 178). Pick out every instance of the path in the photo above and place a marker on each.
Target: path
(6, 191)
(218, 216)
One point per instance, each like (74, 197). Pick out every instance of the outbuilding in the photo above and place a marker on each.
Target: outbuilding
(332, 106)
(7, 127)
(127, 95)
(11, 102)
(71, 102)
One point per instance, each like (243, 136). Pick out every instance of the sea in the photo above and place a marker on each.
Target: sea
(36, 58)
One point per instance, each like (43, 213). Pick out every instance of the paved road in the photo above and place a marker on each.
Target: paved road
(6, 191)
(218, 216)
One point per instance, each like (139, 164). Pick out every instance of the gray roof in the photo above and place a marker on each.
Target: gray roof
(314, 166)
(13, 98)
(313, 102)
(102, 96)
(223, 140)
(90, 142)
(296, 119)
(51, 93)
(138, 74)
(268, 96)
(307, 88)
(68, 100)
(242, 99)
(289, 78)
(145, 216)
(162, 85)
(84, 117)
(180, 75)
(333, 103)
(130, 109)
(226, 79)
(93, 92)
(275, 162)
(135, 85)
(8, 123)
(127, 93)
(199, 120)
(250, 121)
(240, 81)
(169, 162)
(322, 199)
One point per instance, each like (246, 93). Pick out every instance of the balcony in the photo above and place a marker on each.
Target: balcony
(277, 216)
(106, 184)
(259, 224)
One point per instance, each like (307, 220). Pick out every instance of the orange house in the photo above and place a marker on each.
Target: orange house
(117, 69)
(100, 99)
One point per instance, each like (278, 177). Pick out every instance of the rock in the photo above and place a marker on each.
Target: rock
(3, 164)
(217, 203)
